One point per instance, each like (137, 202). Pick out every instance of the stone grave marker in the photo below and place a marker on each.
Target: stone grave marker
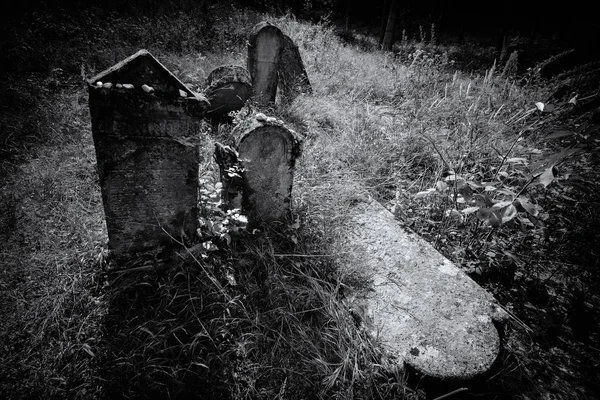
(293, 78)
(265, 45)
(227, 89)
(267, 154)
(425, 312)
(146, 130)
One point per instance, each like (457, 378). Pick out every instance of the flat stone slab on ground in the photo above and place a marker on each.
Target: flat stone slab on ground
(422, 308)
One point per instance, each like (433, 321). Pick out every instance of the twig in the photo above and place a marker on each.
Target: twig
(459, 390)
(309, 255)
(507, 153)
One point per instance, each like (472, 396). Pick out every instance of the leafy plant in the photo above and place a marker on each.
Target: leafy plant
(216, 225)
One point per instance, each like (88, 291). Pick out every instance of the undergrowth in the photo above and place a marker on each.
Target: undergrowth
(496, 169)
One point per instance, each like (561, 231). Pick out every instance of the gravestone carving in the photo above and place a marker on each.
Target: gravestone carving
(267, 152)
(265, 45)
(146, 130)
(227, 89)
(293, 78)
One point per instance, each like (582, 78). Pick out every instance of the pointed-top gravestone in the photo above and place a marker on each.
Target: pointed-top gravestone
(228, 88)
(265, 45)
(267, 154)
(293, 78)
(146, 130)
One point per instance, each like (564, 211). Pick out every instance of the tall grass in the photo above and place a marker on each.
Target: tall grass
(265, 317)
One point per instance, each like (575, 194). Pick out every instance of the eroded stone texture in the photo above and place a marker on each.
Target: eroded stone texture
(424, 310)
(228, 89)
(267, 153)
(293, 78)
(265, 45)
(146, 129)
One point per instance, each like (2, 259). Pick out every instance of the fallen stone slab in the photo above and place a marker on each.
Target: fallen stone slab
(423, 310)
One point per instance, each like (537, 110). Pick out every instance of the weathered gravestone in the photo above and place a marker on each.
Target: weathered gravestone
(227, 88)
(425, 311)
(293, 78)
(267, 152)
(273, 57)
(265, 45)
(146, 130)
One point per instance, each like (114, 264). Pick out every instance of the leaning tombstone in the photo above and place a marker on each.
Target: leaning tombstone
(265, 45)
(146, 130)
(267, 152)
(293, 78)
(227, 89)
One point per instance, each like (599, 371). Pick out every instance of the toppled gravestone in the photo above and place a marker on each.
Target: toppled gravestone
(227, 89)
(424, 311)
(146, 130)
(274, 58)
(266, 155)
(293, 78)
(264, 51)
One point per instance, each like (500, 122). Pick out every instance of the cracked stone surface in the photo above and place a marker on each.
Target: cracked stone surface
(423, 309)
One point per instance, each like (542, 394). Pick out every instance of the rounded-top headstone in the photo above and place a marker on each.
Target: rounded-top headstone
(265, 45)
(228, 87)
(267, 152)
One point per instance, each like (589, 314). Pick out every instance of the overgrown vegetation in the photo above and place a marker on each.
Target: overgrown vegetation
(504, 187)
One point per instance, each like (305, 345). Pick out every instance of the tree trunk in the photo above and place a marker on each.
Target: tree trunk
(390, 29)
(384, 18)
(347, 15)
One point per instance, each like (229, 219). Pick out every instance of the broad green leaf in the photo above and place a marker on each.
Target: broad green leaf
(210, 246)
(470, 210)
(441, 186)
(509, 213)
(483, 200)
(227, 238)
(495, 219)
(475, 184)
(453, 212)
(507, 192)
(516, 160)
(424, 193)
(466, 192)
(483, 214)
(529, 208)
(560, 134)
(544, 107)
(461, 183)
(546, 177)
(538, 167)
(501, 204)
